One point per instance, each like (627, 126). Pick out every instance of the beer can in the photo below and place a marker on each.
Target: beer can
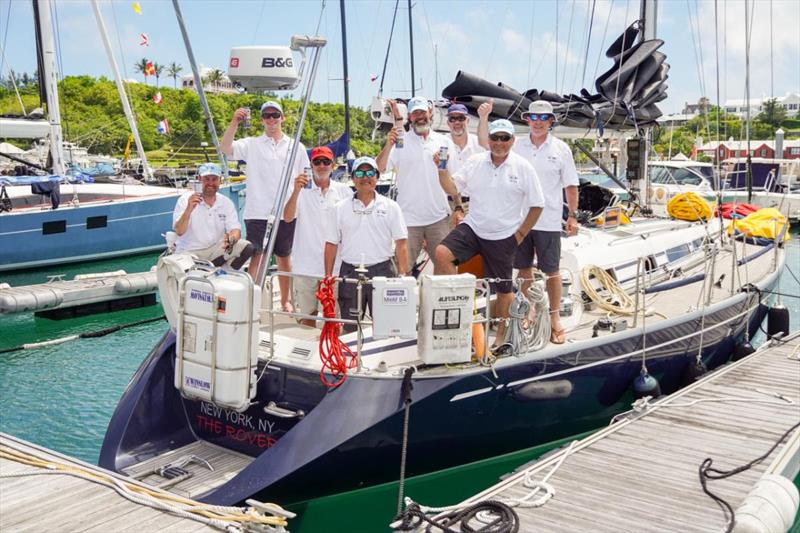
(246, 122)
(307, 172)
(399, 142)
(198, 186)
(443, 157)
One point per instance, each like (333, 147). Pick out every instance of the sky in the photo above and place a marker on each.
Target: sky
(525, 44)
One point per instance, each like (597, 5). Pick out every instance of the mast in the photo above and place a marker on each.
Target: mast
(198, 82)
(346, 77)
(647, 17)
(147, 172)
(749, 175)
(411, 46)
(49, 77)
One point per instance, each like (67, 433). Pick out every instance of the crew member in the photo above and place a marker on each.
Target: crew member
(365, 227)
(465, 144)
(266, 156)
(424, 204)
(312, 204)
(207, 223)
(505, 202)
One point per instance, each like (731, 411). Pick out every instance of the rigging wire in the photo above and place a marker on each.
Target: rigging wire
(603, 41)
(530, 45)
(388, 47)
(433, 46)
(5, 39)
(258, 21)
(497, 40)
(566, 48)
(588, 42)
(555, 85)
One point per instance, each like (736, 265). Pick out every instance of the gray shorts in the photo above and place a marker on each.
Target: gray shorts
(545, 245)
(305, 294)
(256, 228)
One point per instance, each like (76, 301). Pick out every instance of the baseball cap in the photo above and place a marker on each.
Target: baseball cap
(539, 107)
(457, 108)
(417, 104)
(365, 160)
(501, 126)
(322, 151)
(273, 104)
(209, 169)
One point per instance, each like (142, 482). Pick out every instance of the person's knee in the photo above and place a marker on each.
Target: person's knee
(443, 255)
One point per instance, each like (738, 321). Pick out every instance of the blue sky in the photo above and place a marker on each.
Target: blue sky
(512, 41)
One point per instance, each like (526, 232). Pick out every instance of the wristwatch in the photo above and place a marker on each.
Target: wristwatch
(572, 214)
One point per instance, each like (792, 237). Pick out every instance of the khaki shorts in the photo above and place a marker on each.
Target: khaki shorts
(305, 295)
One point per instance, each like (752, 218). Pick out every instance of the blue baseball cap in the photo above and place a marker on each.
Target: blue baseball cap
(501, 126)
(457, 108)
(365, 160)
(273, 104)
(418, 103)
(209, 169)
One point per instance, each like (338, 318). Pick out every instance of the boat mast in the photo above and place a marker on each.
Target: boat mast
(411, 47)
(749, 175)
(346, 77)
(147, 172)
(648, 19)
(198, 83)
(49, 77)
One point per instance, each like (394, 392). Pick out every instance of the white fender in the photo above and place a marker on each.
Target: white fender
(169, 271)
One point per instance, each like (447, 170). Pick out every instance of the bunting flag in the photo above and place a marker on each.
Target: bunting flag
(163, 127)
(149, 69)
(373, 77)
(137, 8)
(157, 97)
(145, 40)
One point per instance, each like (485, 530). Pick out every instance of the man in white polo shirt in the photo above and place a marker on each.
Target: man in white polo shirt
(312, 204)
(207, 223)
(424, 204)
(266, 157)
(465, 145)
(505, 202)
(365, 228)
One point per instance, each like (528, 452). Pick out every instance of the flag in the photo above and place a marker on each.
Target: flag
(137, 8)
(149, 69)
(157, 97)
(145, 40)
(373, 77)
(163, 127)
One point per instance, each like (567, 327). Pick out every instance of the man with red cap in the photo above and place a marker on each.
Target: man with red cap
(312, 205)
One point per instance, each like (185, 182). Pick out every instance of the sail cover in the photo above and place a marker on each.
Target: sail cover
(625, 96)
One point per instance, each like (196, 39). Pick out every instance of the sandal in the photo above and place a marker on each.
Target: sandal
(558, 336)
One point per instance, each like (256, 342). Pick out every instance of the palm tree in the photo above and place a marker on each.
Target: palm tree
(215, 77)
(141, 66)
(159, 70)
(172, 71)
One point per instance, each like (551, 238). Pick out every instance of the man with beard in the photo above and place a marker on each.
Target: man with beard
(505, 202)
(465, 145)
(422, 200)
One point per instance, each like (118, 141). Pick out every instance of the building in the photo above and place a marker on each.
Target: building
(224, 86)
(790, 103)
(766, 149)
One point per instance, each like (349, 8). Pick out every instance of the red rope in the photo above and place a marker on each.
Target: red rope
(332, 351)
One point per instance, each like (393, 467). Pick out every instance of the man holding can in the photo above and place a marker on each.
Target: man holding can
(422, 200)
(266, 156)
(464, 144)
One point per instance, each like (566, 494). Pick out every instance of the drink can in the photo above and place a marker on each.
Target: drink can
(307, 172)
(443, 157)
(399, 142)
(198, 186)
(246, 122)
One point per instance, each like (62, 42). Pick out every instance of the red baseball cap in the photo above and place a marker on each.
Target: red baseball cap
(322, 151)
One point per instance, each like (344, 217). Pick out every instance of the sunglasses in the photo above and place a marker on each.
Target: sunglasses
(271, 115)
(456, 118)
(361, 174)
(500, 138)
(318, 162)
(533, 117)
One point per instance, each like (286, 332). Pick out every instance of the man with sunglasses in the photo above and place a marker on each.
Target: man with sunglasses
(465, 145)
(312, 205)
(266, 156)
(552, 159)
(505, 202)
(363, 230)
(424, 204)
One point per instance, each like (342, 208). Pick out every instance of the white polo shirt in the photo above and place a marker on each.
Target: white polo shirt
(418, 191)
(499, 197)
(366, 231)
(315, 212)
(556, 170)
(208, 224)
(460, 156)
(265, 166)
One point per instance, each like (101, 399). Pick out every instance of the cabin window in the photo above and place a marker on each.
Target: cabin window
(54, 226)
(673, 254)
(96, 222)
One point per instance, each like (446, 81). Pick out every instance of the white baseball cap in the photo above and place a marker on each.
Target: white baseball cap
(418, 103)
(501, 125)
(365, 160)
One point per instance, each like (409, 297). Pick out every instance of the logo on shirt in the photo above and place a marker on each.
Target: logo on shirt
(513, 178)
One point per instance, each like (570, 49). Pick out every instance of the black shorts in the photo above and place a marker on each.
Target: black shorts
(545, 245)
(497, 256)
(256, 228)
(348, 292)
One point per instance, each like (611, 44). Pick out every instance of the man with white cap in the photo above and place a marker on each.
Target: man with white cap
(266, 156)
(424, 204)
(505, 202)
(312, 204)
(363, 230)
(207, 223)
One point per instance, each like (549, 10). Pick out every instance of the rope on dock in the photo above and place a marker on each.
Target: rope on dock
(88, 335)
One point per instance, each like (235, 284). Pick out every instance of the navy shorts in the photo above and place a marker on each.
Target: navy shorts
(545, 245)
(256, 228)
(497, 256)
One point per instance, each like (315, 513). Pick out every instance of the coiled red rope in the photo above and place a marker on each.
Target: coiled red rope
(332, 351)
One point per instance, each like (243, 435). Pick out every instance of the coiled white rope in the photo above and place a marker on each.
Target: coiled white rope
(529, 320)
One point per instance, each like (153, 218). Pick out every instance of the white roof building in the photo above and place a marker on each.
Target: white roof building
(223, 86)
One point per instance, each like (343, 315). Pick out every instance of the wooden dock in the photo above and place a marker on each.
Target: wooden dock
(42, 500)
(641, 473)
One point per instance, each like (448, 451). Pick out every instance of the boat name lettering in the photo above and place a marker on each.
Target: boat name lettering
(203, 296)
(218, 427)
(453, 299)
(240, 419)
(197, 383)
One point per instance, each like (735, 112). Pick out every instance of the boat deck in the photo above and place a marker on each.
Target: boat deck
(641, 473)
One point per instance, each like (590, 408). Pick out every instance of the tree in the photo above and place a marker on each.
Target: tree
(772, 115)
(159, 69)
(172, 71)
(215, 77)
(141, 66)
(702, 105)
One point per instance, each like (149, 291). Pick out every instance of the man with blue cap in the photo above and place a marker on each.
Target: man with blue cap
(266, 157)
(207, 223)
(505, 202)
(465, 144)
(423, 202)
